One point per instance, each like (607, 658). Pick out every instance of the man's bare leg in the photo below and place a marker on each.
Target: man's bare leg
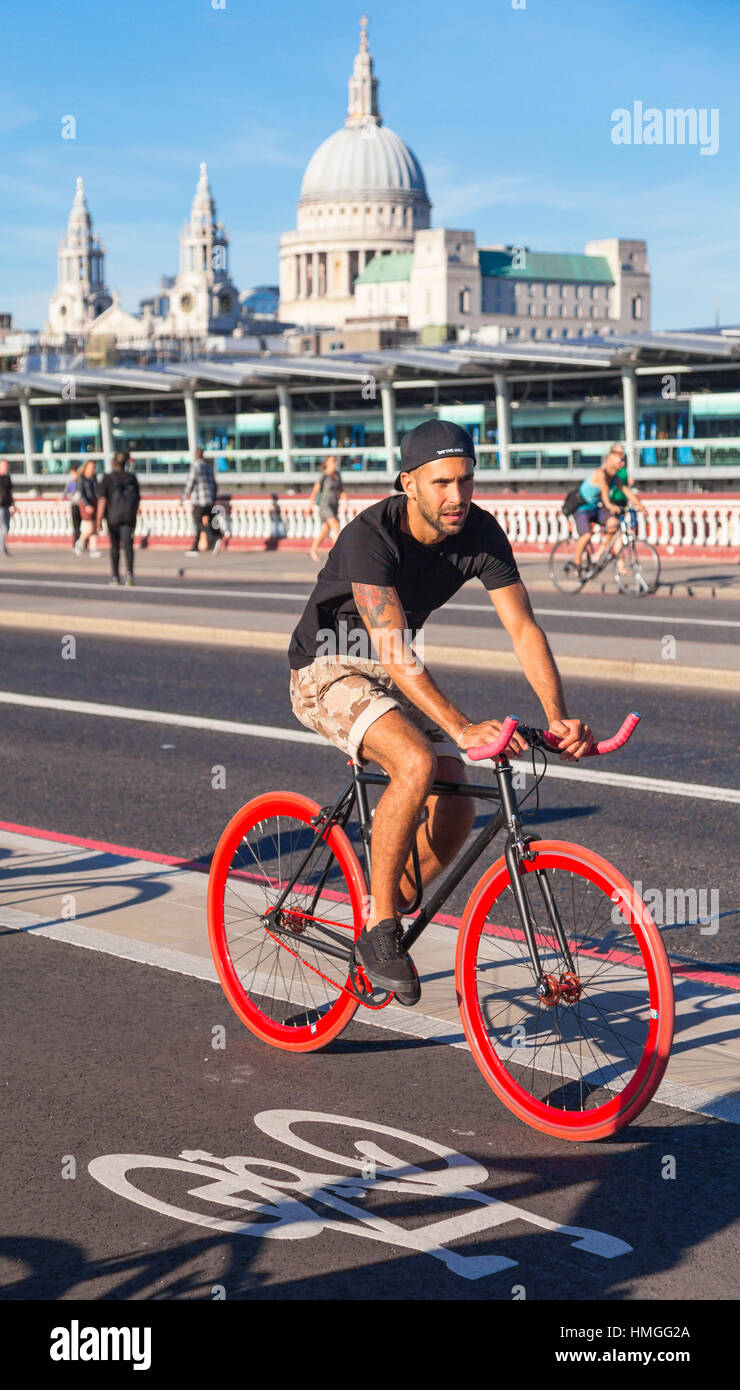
(581, 544)
(443, 832)
(609, 530)
(406, 755)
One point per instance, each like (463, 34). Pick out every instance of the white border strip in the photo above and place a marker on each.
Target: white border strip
(624, 781)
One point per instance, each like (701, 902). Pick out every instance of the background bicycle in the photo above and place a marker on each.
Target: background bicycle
(636, 563)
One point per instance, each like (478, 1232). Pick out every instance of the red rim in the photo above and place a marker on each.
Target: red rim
(301, 1038)
(650, 954)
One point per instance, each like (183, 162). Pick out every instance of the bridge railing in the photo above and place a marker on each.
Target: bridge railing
(678, 522)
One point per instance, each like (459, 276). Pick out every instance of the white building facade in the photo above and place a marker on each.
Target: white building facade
(81, 293)
(204, 298)
(363, 194)
(363, 251)
(201, 299)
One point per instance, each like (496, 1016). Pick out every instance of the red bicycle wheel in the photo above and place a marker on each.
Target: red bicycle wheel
(583, 1063)
(286, 978)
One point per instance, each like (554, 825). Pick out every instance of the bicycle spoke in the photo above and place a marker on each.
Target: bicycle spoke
(293, 976)
(574, 1056)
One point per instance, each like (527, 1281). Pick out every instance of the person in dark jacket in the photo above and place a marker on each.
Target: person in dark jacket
(119, 502)
(7, 506)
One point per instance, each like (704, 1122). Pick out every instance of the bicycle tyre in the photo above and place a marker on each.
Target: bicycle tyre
(286, 992)
(642, 569)
(564, 573)
(535, 1079)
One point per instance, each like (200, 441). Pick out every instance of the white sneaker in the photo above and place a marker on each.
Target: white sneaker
(96, 554)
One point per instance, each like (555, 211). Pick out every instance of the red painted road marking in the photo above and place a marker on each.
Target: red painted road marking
(720, 979)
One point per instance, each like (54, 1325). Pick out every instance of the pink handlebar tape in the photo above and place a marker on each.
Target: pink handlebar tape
(605, 745)
(494, 750)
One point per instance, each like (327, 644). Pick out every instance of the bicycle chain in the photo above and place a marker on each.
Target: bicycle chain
(344, 989)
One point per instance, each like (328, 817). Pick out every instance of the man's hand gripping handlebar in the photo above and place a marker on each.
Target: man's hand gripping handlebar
(542, 738)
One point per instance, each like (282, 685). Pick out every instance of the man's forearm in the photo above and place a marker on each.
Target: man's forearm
(538, 664)
(415, 682)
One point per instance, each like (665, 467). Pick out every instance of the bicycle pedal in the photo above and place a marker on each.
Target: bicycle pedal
(364, 990)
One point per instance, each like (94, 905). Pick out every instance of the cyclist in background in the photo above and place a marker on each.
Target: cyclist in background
(623, 491)
(597, 507)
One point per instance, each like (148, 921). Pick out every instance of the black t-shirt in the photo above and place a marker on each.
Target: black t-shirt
(373, 549)
(121, 491)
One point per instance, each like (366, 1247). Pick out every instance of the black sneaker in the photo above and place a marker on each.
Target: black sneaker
(385, 965)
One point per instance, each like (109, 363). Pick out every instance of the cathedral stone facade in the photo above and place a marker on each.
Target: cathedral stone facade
(81, 293)
(364, 252)
(363, 258)
(203, 299)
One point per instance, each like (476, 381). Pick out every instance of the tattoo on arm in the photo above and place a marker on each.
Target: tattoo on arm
(377, 606)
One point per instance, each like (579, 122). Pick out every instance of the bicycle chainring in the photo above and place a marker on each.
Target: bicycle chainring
(362, 989)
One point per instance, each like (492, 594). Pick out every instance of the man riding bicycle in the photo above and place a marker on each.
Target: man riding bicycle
(356, 679)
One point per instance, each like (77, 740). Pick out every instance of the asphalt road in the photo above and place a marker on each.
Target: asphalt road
(591, 613)
(111, 1058)
(150, 786)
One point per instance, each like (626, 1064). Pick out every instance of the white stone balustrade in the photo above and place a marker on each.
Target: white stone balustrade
(678, 522)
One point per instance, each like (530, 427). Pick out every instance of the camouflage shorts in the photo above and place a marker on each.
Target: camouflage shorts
(341, 699)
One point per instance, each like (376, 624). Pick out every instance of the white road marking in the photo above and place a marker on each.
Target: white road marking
(482, 607)
(637, 617)
(663, 786)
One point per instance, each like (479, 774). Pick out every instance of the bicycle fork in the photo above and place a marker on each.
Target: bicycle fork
(549, 988)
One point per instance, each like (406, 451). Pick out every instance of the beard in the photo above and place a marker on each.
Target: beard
(438, 521)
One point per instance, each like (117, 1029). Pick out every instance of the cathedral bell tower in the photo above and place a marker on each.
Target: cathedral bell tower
(81, 293)
(204, 299)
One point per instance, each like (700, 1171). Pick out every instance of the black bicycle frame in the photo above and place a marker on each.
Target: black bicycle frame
(626, 533)
(515, 849)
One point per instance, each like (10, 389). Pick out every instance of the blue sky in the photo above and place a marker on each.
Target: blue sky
(509, 111)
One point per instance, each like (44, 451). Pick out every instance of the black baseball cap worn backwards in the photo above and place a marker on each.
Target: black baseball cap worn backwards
(434, 439)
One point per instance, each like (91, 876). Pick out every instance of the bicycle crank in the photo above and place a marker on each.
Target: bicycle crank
(360, 986)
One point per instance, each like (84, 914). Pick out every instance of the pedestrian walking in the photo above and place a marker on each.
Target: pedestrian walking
(7, 505)
(278, 527)
(327, 493)
(89, 511)
(119, 502)
(201, 490)
(71, 495)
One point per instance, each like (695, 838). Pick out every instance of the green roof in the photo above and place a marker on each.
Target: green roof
(546, 265)
(394, 266)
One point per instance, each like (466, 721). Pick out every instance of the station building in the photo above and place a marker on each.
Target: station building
(541, 414)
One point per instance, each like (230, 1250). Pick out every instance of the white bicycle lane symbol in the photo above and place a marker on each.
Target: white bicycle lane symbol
(276, 1210)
